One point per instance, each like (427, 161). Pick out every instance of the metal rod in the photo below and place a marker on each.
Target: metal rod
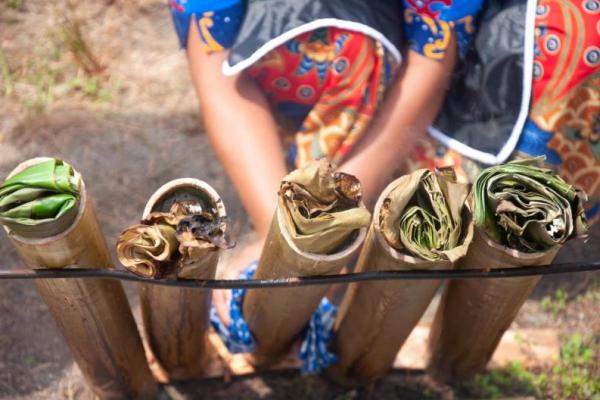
(551, 269)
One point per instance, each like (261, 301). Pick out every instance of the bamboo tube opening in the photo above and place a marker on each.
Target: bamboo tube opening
(185, 189)
(466, 235)
(343, 251)
(511, 258)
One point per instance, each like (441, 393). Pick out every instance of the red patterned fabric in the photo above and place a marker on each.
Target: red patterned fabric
(329, 79)
(567, 47)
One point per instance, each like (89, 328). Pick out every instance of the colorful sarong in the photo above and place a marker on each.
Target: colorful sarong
(325, 85)
(430, 24)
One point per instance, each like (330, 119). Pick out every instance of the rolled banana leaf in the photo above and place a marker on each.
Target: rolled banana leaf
(319, 224)
(522, 213)
(422, 216)
(148, 250)
(42, 200)
(173, 243)
(322, 207)
(420, 222)
(526, 207)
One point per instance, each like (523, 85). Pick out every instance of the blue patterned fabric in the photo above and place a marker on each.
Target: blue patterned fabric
(533, 142)
(237, 336)
(428, 25)
(218, 21)
(315, 338)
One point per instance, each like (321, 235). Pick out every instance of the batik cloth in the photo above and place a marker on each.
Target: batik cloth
(317, 335)
(564, 116)
(329, 81)
(430, 24)
(325, 84)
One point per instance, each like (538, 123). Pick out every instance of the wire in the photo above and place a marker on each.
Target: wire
(85, 273)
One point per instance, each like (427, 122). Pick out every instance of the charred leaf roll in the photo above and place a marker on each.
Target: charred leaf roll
(178, 243)
(181, 236)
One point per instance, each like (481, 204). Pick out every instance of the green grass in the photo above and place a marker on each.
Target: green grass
(53, 78)
(556, 304)
(93, 87)
(15, 4)
(512, 380)
(574, 376)
(60, 66)
(592, 293)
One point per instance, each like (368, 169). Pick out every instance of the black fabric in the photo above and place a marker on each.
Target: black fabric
(268, 19)
(484, 100)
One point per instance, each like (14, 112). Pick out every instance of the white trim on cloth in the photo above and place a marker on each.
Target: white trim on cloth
(230, 70)
(511, 143)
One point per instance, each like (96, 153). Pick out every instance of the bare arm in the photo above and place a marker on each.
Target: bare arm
(408, 109)
(242, 131)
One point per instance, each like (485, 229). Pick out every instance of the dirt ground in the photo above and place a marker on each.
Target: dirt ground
(104, 86)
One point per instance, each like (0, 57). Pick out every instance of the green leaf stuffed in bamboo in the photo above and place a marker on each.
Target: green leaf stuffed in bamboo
(40, 200)
(420, 222)
(50, 220)
(523, 213)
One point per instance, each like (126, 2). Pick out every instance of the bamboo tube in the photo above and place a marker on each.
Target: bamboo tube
(375, 318)
(176, 319)
(522, 213)
(277, 316)
(474, 313)
(93, 315)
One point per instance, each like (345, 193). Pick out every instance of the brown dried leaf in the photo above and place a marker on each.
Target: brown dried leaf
(148, 250)
(322, 207)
